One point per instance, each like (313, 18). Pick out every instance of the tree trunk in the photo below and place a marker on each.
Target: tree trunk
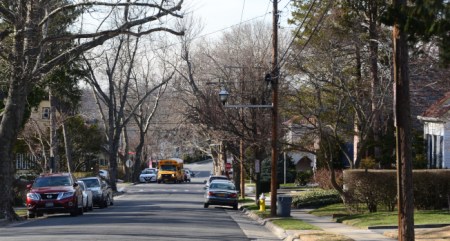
(68, 148)
(9, 127)
(403, 131)
(53, 135)
(373, 48)
(138, 161)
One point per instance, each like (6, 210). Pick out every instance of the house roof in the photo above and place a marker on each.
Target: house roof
(439, 109)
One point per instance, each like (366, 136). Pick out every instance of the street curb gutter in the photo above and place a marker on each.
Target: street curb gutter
(277, 231)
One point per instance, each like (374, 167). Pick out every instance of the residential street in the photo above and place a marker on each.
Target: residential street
(146, 212)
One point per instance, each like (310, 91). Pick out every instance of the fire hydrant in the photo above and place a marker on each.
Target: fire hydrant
(262, 203)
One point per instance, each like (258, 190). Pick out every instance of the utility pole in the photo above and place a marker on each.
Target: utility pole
(402, 116)
(241, 156)
(274, 82)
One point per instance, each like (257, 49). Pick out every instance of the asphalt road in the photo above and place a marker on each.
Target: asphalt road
(146, 212)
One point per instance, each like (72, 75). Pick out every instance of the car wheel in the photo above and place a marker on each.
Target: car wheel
(39, 214)
(80, 211)
(31, 214)
(105, 202)
(235, 206)
(74, 213)
(111, 200)
(205, 205)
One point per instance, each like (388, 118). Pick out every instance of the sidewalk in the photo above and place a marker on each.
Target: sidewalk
(344, 232)
(325, 223)
(328, 225)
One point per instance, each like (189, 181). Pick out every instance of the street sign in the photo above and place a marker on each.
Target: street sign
(129, 163)
(257, 166)
(228, 166)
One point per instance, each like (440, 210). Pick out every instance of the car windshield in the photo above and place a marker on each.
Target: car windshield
(148, 172)
(168, 168)
(91, 182)
(223, 186)
(52, 181)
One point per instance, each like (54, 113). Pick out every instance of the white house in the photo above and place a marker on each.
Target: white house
(297, 130)
(436, 123)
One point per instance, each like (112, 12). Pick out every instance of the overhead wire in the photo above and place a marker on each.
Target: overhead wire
(300, 27)
(283, 60)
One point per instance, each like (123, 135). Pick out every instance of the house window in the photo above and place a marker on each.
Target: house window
(45, 112)
(435, 146)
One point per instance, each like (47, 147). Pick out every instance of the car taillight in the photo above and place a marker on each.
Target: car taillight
(210, 193)
(233, 195)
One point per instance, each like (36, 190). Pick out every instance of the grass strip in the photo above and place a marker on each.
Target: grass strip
(366, 219)
(294, 224)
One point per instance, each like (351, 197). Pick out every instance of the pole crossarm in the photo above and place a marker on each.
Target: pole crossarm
(248, 106)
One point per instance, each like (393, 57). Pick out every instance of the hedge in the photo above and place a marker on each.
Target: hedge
(377, 188)
(315, 198)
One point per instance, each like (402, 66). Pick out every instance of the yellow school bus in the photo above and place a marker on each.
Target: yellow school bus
(170, 170)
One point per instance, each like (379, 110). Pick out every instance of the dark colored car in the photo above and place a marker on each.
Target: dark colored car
(221, 192)
(54, 193)
(102, 194)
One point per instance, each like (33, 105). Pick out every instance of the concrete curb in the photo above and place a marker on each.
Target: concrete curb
(276, 230)
(415, 226)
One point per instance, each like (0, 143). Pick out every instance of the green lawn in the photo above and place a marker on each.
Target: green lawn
(246, 200)
(294, 224)
(21, 212)
(364, 220)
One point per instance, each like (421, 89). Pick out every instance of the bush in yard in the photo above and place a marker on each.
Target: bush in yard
(322, 178)
(372, 188)
(378, 188)
(315, 198)
(431, 189)
(303, 177)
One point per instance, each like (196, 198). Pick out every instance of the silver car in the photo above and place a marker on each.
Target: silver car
(88, 203)
(221, 192)
(148, 175)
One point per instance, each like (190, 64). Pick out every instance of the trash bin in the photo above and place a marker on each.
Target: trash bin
(284, 203)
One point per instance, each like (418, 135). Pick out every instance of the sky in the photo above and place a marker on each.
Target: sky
(220, 15)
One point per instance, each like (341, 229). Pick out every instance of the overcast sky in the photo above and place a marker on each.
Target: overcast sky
(218, 15)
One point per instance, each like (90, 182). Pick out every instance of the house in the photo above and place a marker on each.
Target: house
(298, 131)
(436, 127)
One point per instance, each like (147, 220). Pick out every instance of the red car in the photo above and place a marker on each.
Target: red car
(54, 193)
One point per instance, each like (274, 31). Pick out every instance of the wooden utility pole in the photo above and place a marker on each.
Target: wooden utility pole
(274, 82)
(402, 115)
(241, 157)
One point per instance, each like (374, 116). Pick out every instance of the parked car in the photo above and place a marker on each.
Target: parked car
(103, 174)
(190, 172)
(54, 193)
(88, 203)
(214, 177)
(148, 175)
(187, 176)
(221, 192)
(101, 191)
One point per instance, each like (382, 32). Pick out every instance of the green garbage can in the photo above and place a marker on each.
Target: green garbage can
(284, 203)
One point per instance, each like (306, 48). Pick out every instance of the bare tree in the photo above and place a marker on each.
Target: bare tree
(23, 46)
(114, 101)
(142, 118)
